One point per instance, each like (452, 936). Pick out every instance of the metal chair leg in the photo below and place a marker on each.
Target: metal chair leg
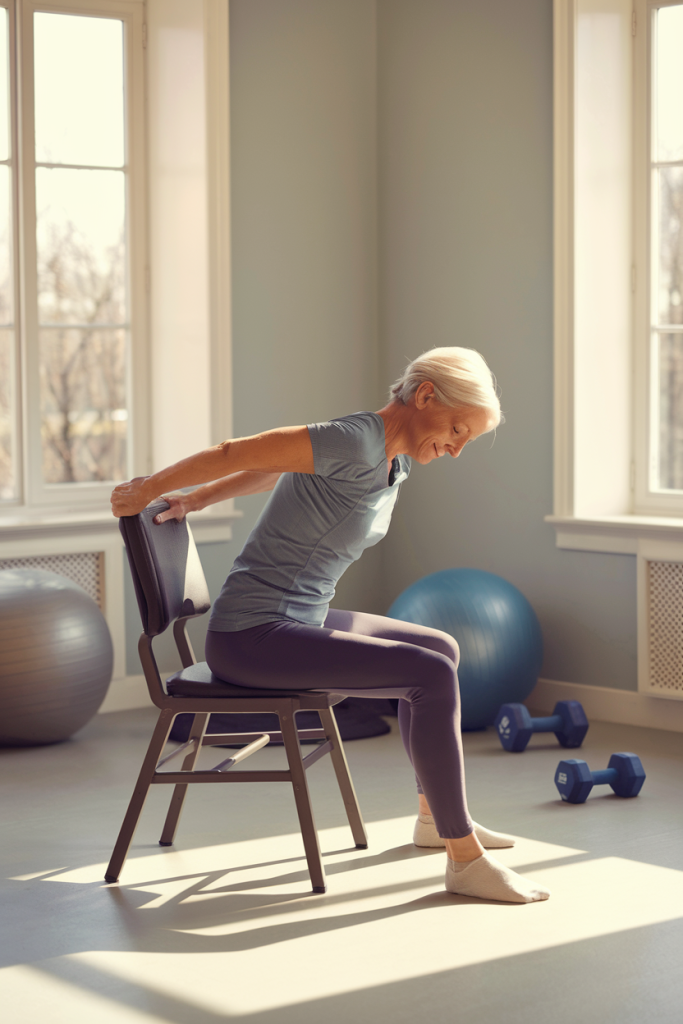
(303, 801)
(197, 731)
(137, 801)
(344, 779)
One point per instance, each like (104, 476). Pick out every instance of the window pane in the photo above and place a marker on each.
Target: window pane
(7, 437)
(7, 350)
(669, 84)
(4, 87)
(84, 408)
(671, 411)
(670, 298)
(6, 283)
(81, 257)
(79, 103)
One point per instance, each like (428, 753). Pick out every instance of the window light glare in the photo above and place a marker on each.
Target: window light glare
(78, 69)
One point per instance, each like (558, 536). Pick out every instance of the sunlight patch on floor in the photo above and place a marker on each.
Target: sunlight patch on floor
(247, 938)
(39, 997)
(264, 967)
(36, 874)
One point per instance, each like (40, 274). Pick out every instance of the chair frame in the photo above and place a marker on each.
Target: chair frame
(285, 707)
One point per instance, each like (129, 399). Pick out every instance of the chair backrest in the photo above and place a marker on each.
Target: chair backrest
(167, 574)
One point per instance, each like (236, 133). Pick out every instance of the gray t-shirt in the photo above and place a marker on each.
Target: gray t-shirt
(313, 527)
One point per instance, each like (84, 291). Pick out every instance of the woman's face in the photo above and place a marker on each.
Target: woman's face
(438, 429)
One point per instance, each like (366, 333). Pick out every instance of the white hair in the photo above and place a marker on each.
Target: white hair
(460, 377)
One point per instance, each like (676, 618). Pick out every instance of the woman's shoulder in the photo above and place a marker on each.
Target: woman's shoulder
(360, 424)
(356, 439)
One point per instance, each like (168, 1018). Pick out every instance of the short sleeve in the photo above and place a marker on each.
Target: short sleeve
(350, 448)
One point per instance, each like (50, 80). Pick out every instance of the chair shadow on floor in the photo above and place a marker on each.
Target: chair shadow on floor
(232, 904)
(99, 917)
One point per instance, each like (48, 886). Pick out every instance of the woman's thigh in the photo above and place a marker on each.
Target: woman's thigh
(382, 627)
(287, 655)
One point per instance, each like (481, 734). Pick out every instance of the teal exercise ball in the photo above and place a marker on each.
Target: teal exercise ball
(500, 640)
(56, 657)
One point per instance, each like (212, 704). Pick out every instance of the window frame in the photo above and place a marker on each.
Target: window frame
(34, 496)
(647, 500)
(623, 516)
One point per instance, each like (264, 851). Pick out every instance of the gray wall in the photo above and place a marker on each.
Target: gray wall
(465, 256)
(303, 137)
(392, 178)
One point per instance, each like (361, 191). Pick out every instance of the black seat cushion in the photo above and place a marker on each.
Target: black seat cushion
(355, 721)
(354, 718)
(199, 681)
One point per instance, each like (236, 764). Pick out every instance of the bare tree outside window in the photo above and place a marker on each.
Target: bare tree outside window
(668, 241)
(671, 344)
(7, 337)
(7, 481)
(82, 368)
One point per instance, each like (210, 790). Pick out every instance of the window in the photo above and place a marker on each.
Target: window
(664, 332)
(618, 269)
(71, 251)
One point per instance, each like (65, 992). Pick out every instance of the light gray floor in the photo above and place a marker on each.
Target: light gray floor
(222, 928)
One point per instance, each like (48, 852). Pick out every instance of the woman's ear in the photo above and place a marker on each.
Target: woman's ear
(424, 394)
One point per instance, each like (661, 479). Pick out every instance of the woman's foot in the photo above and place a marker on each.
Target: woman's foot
(487, 879)
(425, 834)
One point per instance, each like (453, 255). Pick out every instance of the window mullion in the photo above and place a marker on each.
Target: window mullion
(18, 403)
(27, 262)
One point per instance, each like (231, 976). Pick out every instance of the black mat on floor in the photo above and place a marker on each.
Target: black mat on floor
(357, 720)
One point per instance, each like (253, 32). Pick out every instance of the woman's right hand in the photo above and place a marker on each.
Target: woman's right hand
(130, 497)
(180, 504)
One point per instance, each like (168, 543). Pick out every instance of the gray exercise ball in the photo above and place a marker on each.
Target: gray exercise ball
(56, 657)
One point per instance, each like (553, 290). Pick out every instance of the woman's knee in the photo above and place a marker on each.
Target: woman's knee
(441, 684)
(448, 646)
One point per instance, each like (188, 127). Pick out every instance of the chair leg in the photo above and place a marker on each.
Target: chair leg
(199, 725)
(303, 801)
(137, 801)
(344, 779)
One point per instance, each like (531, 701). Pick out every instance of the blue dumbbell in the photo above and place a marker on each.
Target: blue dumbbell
(624, 773)
(515, 726)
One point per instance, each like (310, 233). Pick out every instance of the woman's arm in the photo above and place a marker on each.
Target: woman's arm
(237, 485)
(285, 450)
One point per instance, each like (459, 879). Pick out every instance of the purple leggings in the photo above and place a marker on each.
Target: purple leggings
(363, 655)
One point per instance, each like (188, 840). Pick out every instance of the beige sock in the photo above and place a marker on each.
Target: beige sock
(425, 834)
(487, 879)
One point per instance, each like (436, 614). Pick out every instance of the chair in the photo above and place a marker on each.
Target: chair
(170, 587)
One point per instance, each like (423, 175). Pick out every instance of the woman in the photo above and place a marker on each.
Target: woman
(334, 488)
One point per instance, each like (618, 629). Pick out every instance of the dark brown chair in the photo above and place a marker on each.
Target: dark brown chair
(170, 587)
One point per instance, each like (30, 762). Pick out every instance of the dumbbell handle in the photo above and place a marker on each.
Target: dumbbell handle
(553, 723)
(604, 775)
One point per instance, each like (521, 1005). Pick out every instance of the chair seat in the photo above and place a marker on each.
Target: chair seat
(199, 681)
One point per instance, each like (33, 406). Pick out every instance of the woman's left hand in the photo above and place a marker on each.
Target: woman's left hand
(130, 497)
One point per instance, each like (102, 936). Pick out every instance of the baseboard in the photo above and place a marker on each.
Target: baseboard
(624, 707)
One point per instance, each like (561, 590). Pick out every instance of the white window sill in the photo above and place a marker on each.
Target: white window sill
(617, 535)
(207, 526)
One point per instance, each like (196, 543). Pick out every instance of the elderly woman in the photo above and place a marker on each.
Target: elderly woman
(334, 488)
